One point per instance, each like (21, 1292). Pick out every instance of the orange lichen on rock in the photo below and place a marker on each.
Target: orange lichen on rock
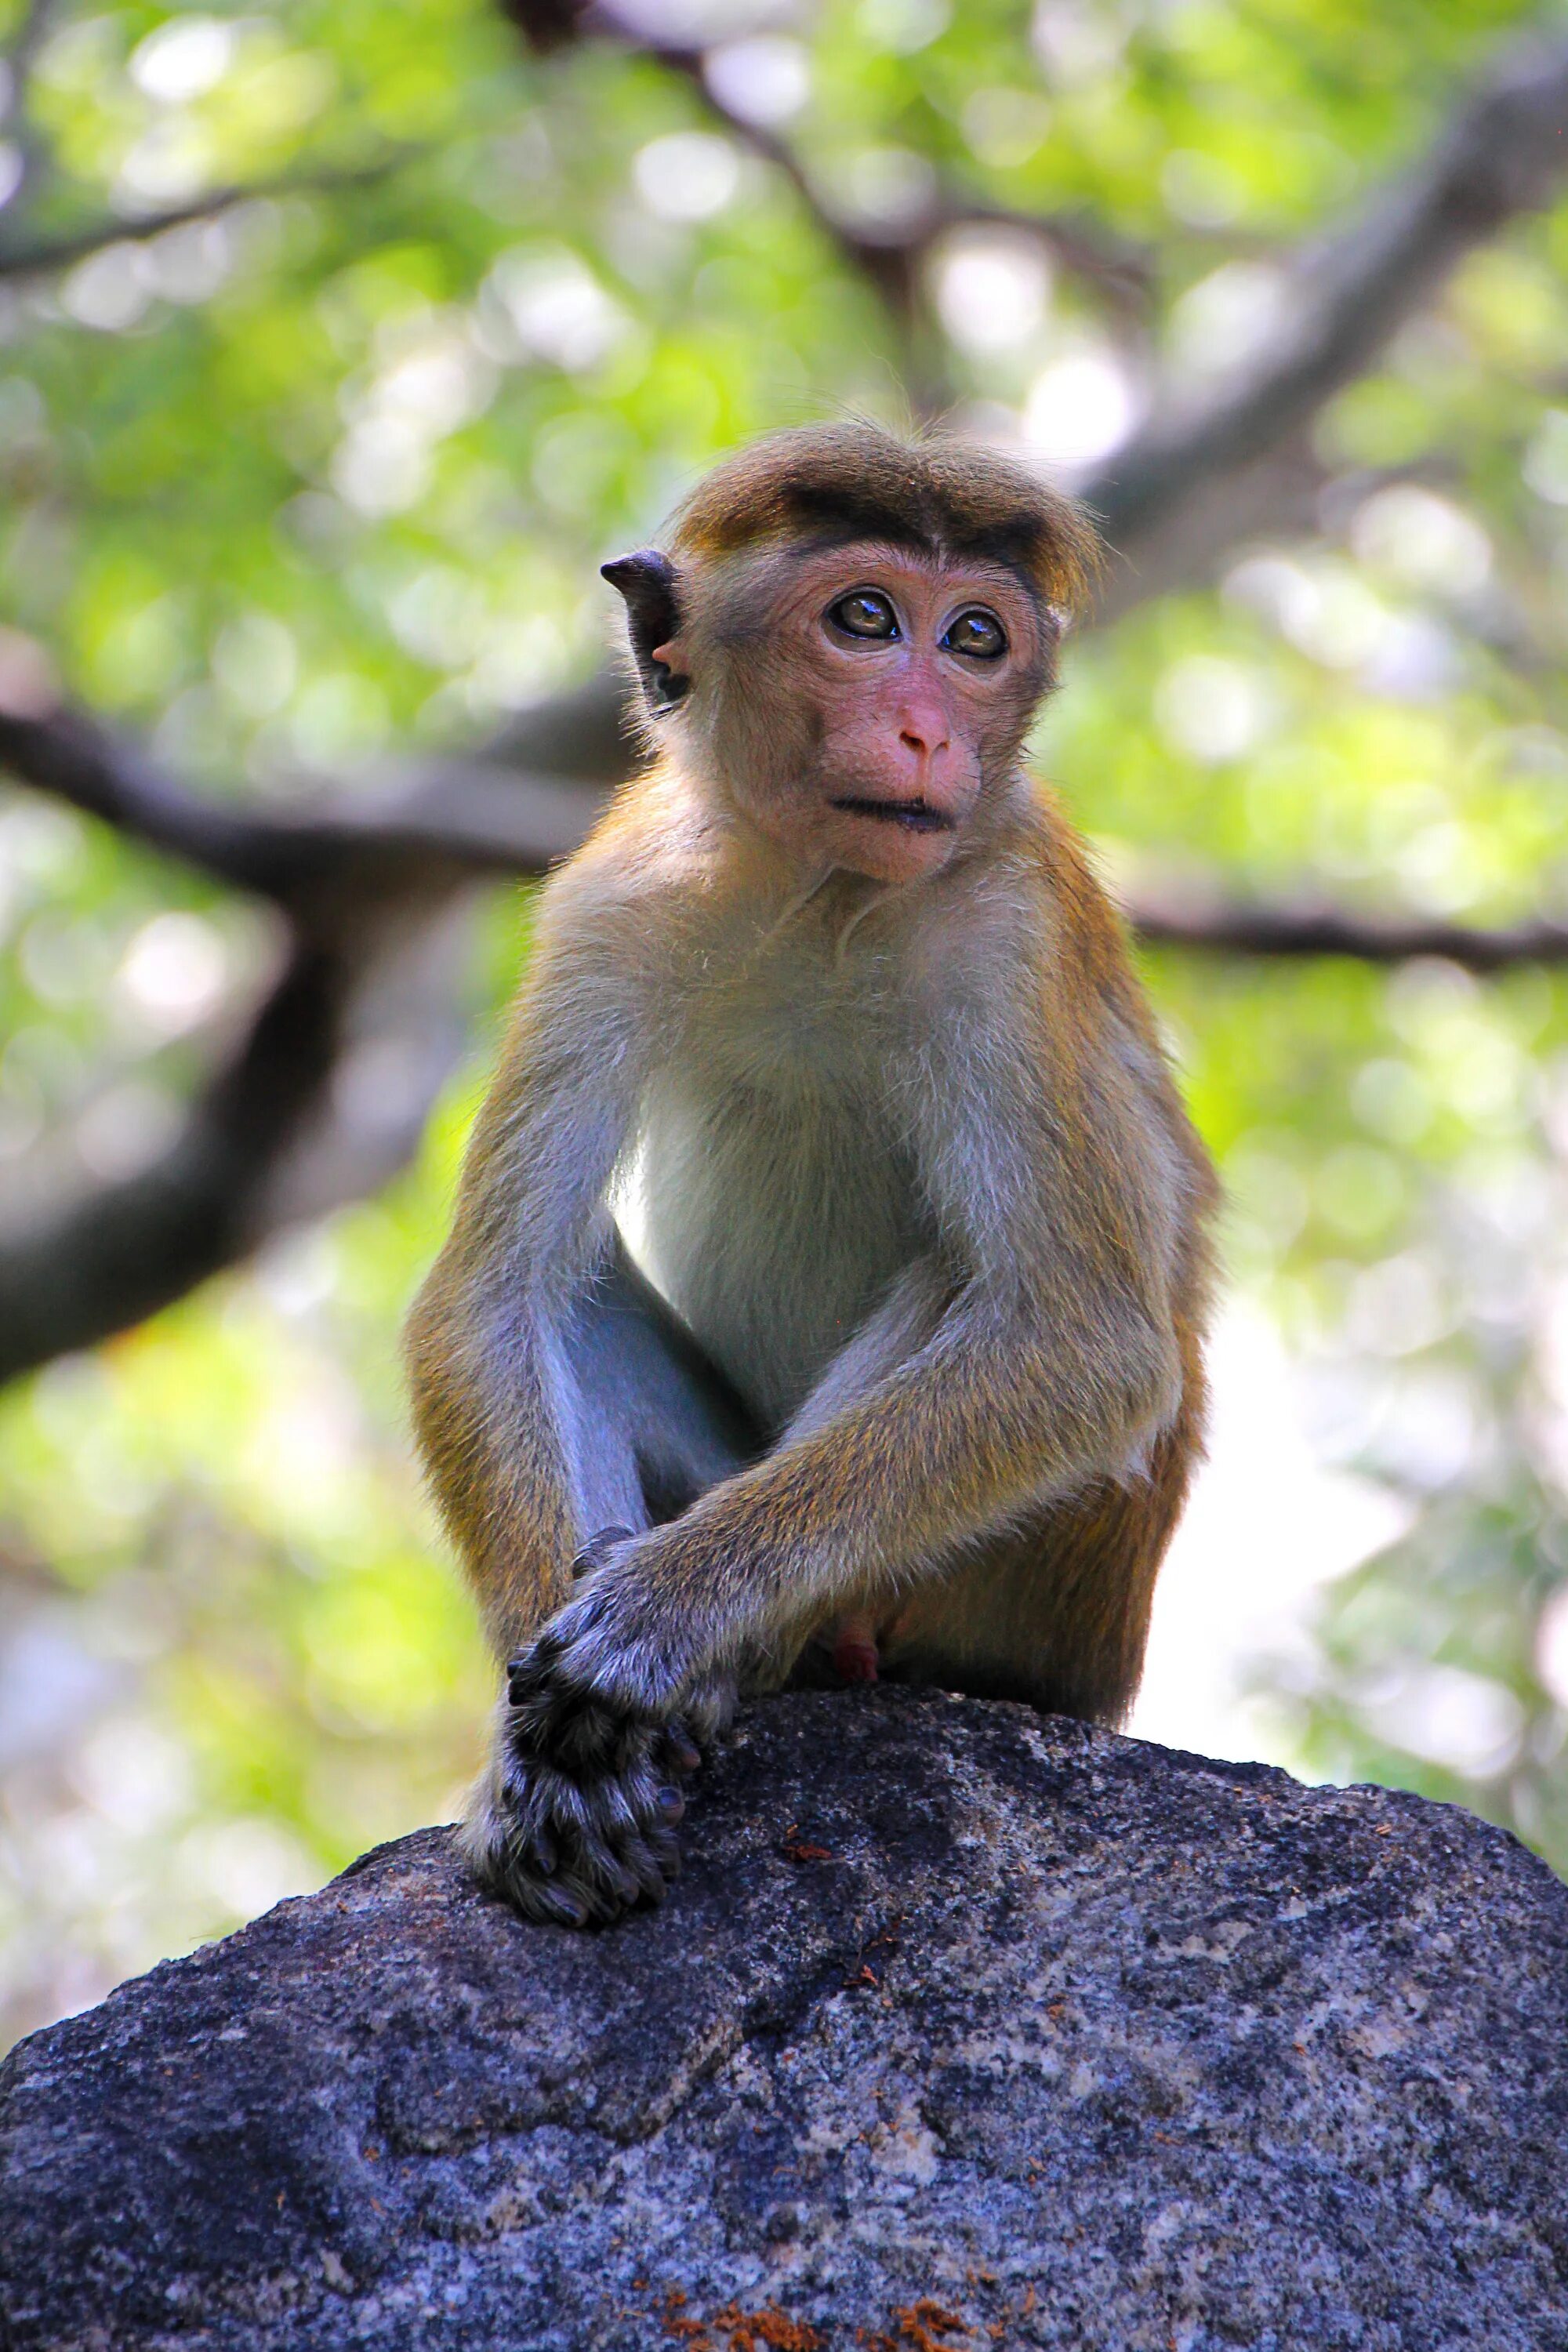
(923, 2326)
(734, 2330)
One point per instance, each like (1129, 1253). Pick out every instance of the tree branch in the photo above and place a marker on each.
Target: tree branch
(26, 43)
(327, 1091)
(1238, 927)
(326, 1094)
(44, 256)
(478, 814)
(1161, 498)
(27, 38)
(323, 1098)
(373, 888)
(481, 818)
(77, 1273)
(890, 260)
(1202, 475)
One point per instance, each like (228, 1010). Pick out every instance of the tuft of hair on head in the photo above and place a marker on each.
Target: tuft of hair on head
(944, 495)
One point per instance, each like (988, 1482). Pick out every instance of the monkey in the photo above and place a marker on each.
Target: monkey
(904, 1377)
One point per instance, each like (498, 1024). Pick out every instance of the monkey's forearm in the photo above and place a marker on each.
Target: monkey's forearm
(976, 1424)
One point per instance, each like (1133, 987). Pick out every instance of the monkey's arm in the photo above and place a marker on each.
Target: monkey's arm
(529, 1236)
(580, 1822)
(1046, 1356)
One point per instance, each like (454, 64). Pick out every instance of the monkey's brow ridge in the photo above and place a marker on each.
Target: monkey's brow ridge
(935, 549)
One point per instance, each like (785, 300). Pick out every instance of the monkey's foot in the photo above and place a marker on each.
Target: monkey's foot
(575, 1820)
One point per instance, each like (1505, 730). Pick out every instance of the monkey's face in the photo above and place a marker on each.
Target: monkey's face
(861, 704)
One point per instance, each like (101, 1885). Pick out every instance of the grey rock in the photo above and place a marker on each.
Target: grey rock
(964, 2027)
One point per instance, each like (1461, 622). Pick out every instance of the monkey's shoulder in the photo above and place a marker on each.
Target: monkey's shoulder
(621, 893)
(1096, 1022)
(1044, 839)
(1031, 919)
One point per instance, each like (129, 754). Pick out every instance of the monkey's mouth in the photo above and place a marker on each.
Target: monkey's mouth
(915, 816)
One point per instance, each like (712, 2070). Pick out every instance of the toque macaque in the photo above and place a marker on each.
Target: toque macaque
(908, 1381)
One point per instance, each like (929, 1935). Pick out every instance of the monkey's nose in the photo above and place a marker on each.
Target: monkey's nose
(924, 735)
(924, 745)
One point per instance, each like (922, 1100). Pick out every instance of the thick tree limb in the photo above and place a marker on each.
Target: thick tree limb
(84, 1270)
(477, 814)
(287, 1125)
(323, 1098)
(482, 818)
(1163, 498)
(327, 1092)
(325, 1095)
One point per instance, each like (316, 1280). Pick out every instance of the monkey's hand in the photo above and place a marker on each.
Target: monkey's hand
(576, 1819)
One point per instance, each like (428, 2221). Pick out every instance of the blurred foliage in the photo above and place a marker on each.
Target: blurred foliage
(331, 470)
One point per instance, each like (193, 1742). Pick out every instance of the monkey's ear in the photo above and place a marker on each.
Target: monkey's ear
(647, 582)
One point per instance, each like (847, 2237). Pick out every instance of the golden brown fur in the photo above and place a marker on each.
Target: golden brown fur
(853, 479)
(923, 1373)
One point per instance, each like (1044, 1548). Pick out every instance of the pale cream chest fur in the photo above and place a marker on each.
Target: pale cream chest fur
(772, 1200)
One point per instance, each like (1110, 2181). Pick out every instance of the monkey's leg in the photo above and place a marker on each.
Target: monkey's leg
(647, 1425)
(1055, 1612)
(656, 1424)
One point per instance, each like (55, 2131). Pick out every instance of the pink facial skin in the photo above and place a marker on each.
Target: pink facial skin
(898, 728)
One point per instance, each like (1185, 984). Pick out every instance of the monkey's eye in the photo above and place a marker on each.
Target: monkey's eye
(864, 614)
(978, 633)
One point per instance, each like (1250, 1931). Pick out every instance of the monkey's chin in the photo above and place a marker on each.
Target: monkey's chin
(892, 841)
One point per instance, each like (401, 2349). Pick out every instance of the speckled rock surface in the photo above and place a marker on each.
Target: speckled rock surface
(964, 2028)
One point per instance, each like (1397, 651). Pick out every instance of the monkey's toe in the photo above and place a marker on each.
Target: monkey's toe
(707, 1711)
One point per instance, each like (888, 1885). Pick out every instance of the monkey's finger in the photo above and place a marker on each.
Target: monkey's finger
(552, 1902)
(597, 1550)
(646, 1864)
(604, 1816)
(606, 1873)
(661, 1842)
(541, 1851)
(528, 1672)
(558, 1906)
(554, 1803)
(650, 1849)
(632, 1829)
(633, 1818)
(535, 1663)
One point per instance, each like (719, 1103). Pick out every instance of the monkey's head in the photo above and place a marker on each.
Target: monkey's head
(851, 636)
